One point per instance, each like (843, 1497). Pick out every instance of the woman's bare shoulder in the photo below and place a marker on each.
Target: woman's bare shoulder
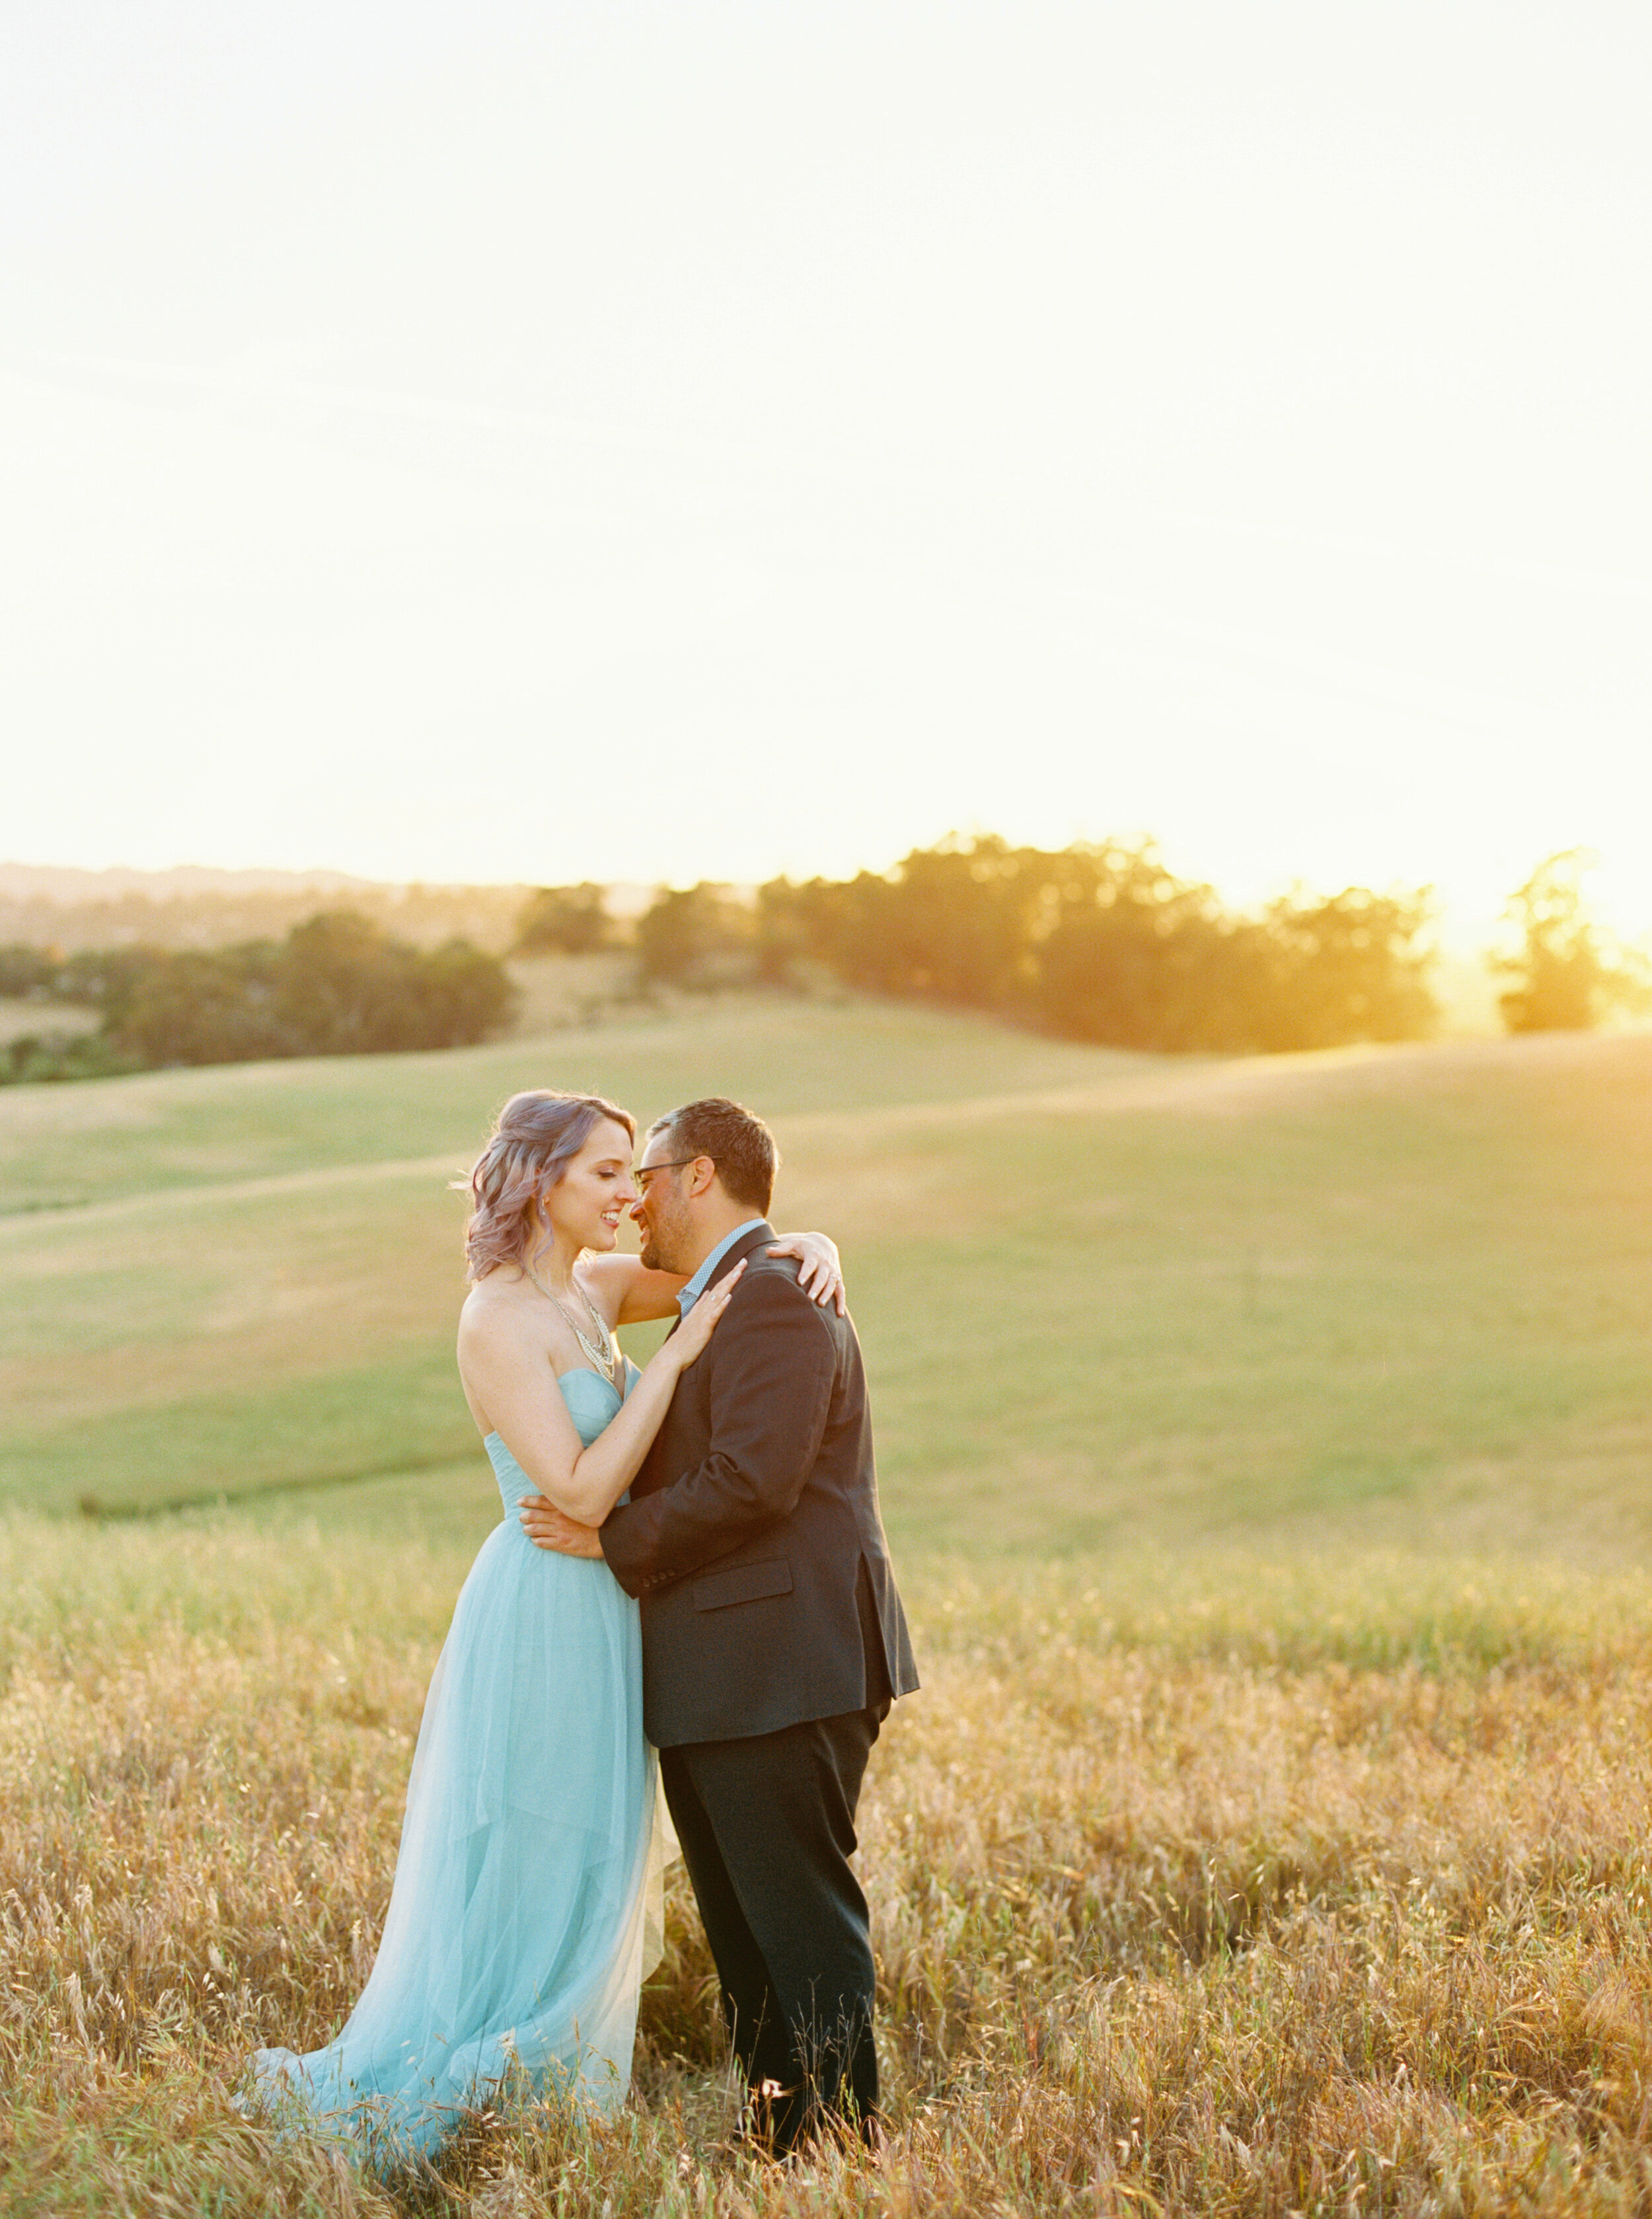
(494, 1307)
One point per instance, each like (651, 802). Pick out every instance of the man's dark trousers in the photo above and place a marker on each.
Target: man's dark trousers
(767, 1825)
(773, 1642)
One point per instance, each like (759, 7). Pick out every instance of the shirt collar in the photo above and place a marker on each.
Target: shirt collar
(690, 1294)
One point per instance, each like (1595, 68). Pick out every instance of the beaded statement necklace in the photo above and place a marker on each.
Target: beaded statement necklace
(605, 1357)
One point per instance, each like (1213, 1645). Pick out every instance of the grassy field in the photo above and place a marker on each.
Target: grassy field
(1391, 1296)
(1226, 1885)
(1267, 1447)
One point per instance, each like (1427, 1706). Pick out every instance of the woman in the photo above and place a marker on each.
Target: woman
(518, 1933)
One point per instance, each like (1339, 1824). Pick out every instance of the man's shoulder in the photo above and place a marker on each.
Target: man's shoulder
(770, 1293)
(760, 1264)
(774, 1278)
(772, 1300)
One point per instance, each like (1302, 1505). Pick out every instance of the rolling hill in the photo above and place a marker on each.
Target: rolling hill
(1395, 1296)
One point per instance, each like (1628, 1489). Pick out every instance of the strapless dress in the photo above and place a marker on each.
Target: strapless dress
(525, 1913)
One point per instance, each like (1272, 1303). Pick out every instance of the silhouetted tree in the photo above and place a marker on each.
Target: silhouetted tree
(960, 922)
(344, 986)
(564, 921)
(1103, 942)
(960, 925)
(1134, 957)
(108, 979)
(1572, 972)
(465, 995)
(25, 970)
(698, 935)
(1348, 966)
(338, 984)
(207, 1006)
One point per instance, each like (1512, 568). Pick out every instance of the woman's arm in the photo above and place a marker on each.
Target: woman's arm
(506, 1367)
(628, 1293)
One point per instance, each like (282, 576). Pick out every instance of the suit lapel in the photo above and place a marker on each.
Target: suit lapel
(755, 1236)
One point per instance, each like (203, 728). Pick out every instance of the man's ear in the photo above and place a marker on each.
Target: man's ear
(701, 1172)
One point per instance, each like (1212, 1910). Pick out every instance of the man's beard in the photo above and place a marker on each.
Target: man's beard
(658, 1246)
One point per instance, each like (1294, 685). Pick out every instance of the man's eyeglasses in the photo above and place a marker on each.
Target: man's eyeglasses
(643, 1176)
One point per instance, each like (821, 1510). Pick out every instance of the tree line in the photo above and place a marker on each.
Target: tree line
(336, 984)
(1095, 942)
(1098, 942)
(1103, 942)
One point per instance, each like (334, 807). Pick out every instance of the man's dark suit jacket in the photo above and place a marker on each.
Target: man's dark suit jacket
(752, 1538)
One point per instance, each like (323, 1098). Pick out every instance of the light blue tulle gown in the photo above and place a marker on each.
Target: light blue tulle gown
(526, 1910)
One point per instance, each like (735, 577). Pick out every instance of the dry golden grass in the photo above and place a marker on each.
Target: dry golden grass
(1219, 1888)
(1300, 1878)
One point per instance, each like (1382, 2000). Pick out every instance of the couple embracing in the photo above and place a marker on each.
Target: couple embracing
(691, 1561)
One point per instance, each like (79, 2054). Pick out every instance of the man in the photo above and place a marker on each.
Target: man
(773, 1641)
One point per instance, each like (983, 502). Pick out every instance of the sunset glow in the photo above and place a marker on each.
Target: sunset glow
(656, 443)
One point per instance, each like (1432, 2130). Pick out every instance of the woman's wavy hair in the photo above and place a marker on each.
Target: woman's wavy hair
(538, 1135)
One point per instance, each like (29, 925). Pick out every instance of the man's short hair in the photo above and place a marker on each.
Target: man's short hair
(741, 1145)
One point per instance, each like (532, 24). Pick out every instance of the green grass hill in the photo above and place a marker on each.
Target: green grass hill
(1391, 1297)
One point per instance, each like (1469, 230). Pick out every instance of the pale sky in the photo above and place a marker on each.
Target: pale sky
(663, 441)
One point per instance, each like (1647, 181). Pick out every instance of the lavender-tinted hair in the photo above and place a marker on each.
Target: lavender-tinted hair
(538, 1135)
